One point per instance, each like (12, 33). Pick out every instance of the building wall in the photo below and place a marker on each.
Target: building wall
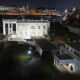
(69, 67)
(61, 64)
(9, 29)
(71, 51)
(78, 66)
(74, 29)
(26, 30)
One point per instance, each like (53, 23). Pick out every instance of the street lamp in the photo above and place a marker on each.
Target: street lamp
(29, 51)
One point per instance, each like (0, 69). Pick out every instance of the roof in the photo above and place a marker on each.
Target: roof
(64, 56)
(32, 21)
(45, 44)
(20, 17)
(75, 45)
(75, 51)
(59, 39)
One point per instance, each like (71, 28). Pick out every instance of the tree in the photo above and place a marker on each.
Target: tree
(58, 29)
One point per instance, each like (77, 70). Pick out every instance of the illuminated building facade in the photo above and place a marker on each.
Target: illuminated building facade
(12, 9)
(25, 29)
(68, 59)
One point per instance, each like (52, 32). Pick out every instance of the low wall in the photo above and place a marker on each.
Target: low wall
(74, 29)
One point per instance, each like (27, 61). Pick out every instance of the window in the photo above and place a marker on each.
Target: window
(38, 27)
(20, 32)
(14, 27)
(43, 27)
(73, 51)
(66, 46)
(44, 33)
(70, 49)
(26, 33)
(10, 25)
(67, 64)
(71, 68)
(10, 31)
(6, 25)
(6, 28)
(32, 27)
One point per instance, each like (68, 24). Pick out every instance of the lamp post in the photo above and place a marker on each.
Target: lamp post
(29, 52)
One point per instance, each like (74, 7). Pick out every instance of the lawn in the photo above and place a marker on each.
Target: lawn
(24, 57)
(13, 52)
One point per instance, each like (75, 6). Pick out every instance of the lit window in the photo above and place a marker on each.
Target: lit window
(32, 27)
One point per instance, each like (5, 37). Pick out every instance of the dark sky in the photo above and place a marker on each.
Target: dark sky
(60, 4)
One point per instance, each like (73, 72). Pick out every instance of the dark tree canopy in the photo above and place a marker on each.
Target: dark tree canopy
(58, 29)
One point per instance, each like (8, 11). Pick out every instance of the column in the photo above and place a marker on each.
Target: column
(59, 66)
(4, 32)
(12, 32)
(8, 28)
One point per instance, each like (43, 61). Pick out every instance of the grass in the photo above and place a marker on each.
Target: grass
(16, 51)
(74, 36)
(24, 57)
(46, 68)
(50, 69)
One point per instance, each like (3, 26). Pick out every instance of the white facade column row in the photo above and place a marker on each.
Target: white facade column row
(4, 32)
(10, 29)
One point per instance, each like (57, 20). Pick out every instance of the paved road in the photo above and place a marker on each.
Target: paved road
(45, 44)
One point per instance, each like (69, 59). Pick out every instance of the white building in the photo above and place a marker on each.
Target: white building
(25, 29)
(68, 59)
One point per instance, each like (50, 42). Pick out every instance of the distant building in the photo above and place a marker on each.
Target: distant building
(66, 11)
(12, 9)
(74, 9)
(43, 11)
(25, 29)
(68, 59)
(18, 10)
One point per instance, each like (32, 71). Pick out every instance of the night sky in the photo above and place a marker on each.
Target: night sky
(59, 4)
